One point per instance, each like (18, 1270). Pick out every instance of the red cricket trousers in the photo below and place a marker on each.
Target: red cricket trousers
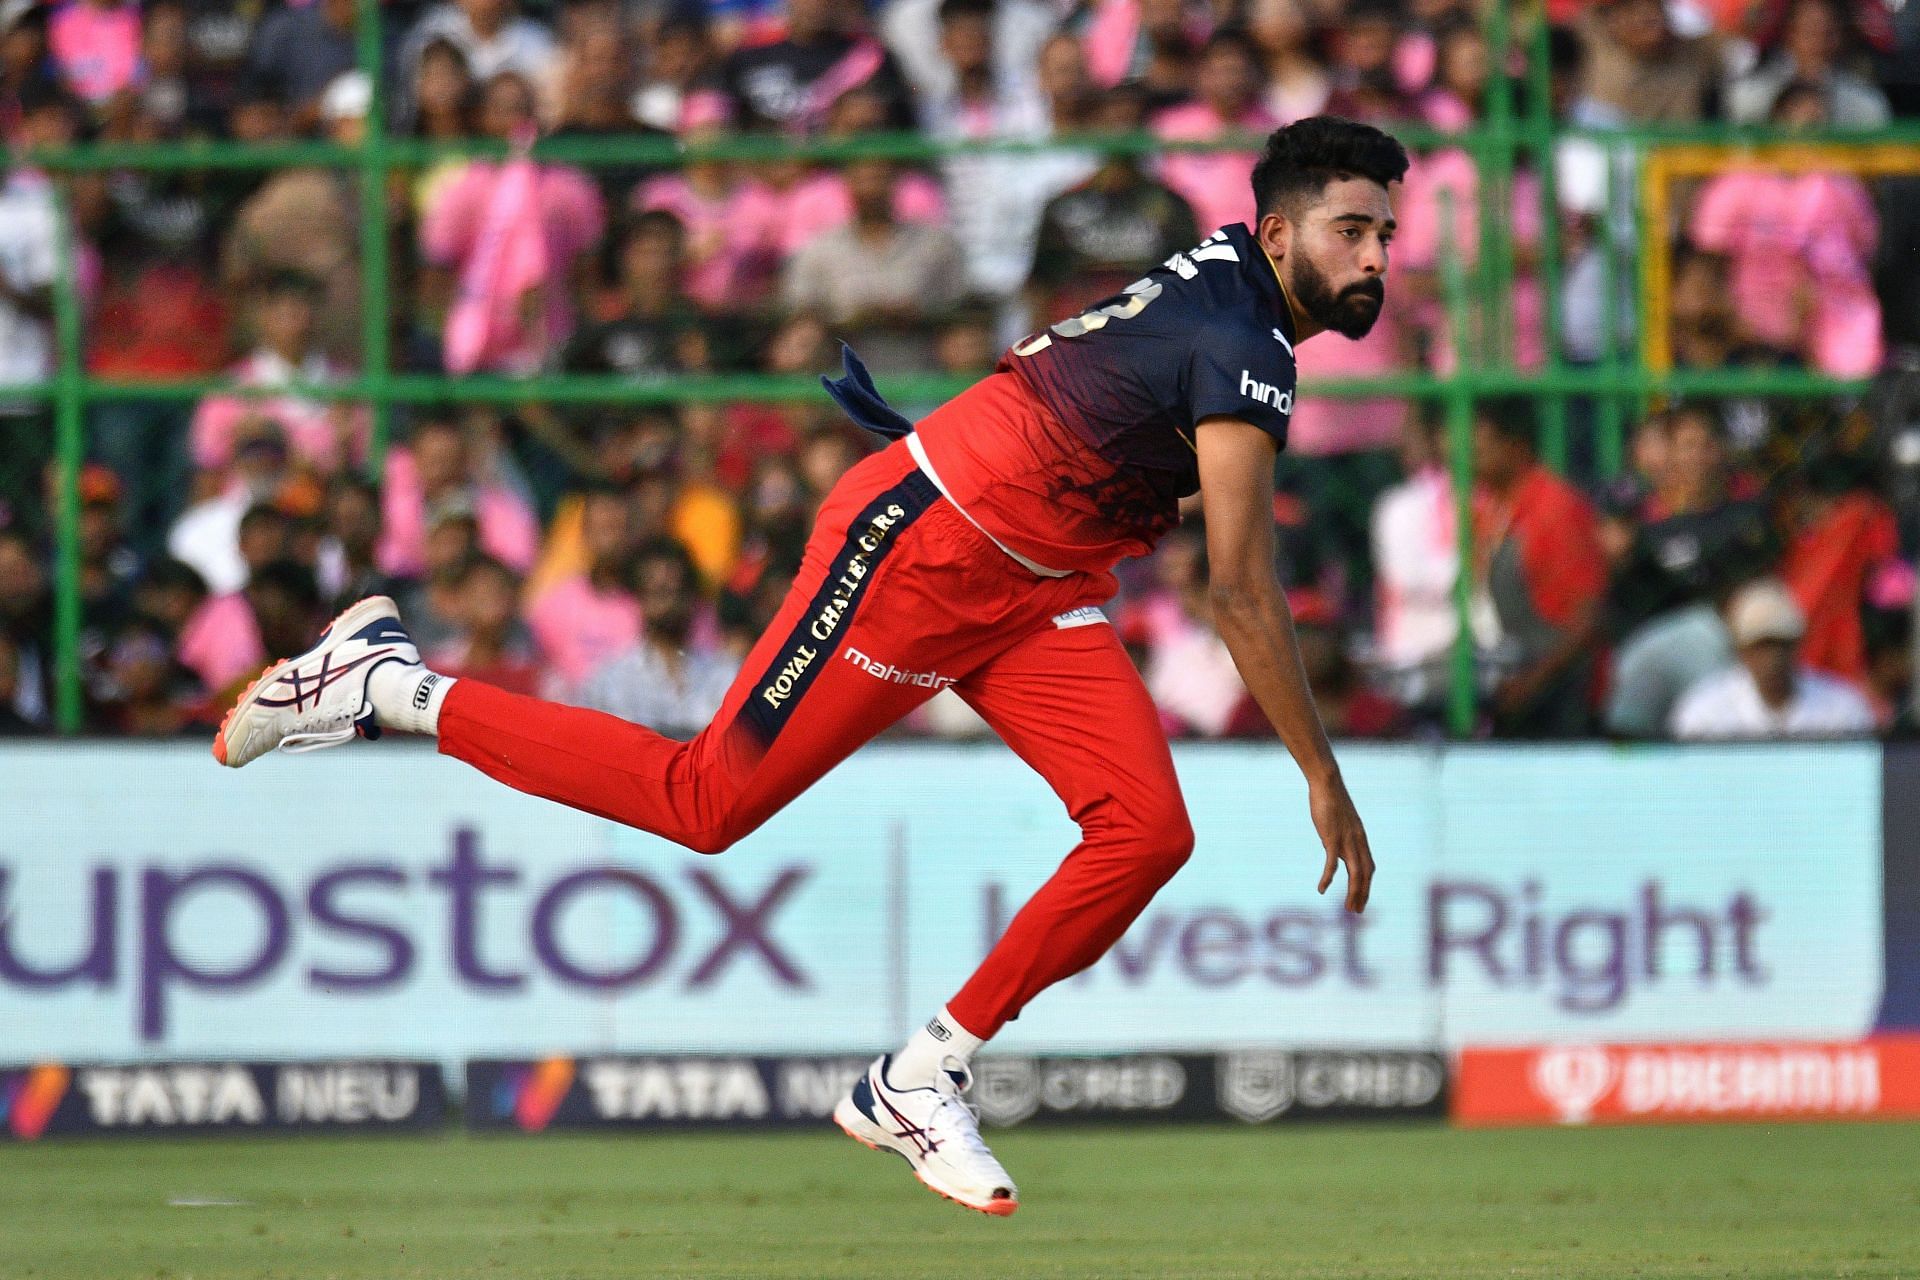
(899, 595)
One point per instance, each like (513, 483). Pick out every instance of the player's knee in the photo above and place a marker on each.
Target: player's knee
(1165, 836)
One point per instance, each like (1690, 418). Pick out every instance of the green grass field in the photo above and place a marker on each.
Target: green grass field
(1750, 1201)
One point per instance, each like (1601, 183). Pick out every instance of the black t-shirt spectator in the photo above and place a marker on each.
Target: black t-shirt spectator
(791, 85)
(1100, 237)
(1686, 559)
(635, 346)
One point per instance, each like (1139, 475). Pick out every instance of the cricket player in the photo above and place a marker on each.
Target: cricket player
(974, 553)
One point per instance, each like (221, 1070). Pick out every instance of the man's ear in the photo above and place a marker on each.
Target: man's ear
(1275, 234)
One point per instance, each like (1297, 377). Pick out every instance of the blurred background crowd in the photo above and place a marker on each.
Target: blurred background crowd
(1747, 573)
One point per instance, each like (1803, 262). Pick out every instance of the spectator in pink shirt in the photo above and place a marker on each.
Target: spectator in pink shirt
(1801, 247)
(324, 436)
(516, 236)
(96, 47)
(1215, 184)
(436, 472)
(585, 618)
(732, 219)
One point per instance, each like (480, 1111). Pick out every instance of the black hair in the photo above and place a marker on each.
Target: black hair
(1302, 158)
(664, 548)
(1233, 38)
(959, 10)
(289, 577)
(174, 575)
(263, 513)
(1511, 417)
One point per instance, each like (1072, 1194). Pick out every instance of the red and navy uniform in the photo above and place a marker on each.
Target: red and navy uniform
(1093, 471)
(979, 567)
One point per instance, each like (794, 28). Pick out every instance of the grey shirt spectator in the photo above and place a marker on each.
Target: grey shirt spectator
(875, 268)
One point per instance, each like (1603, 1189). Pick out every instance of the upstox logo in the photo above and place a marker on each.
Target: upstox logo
(1265, 392)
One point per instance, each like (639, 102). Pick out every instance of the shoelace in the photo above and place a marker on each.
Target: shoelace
(327, 731)
(965, 1125)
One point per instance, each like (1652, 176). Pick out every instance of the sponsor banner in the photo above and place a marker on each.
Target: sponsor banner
(153, 906)
(1255, 1086)
(630, 1091)
(1614, 1084)
(57, 1100)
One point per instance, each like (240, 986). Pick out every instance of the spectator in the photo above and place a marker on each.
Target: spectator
(1843, 536)
(1227, 102)
(324, 436)
(207, 534)
(1020, 30)
(1698, 545)
(490, 35)
(1539, 576)
(996, 199)
(347, 566)
(1768, 694)
(231, 636)
(665, 680)
(731, 223)
(439, 472)
(593, 92)
(95, 45)
(654, 328)
(304, 223)
(443, 93)
(147, 693)
(876, 270)
(792, 84)
(1188, 670)
(1151, 41)
(585, 618)
(175, 94)
(1416, 562)
(26, 632)
(1111, 229)
(514, 236)
(1297, 83)
(1638, 70)
(1801, 245)
(297, 52)
(1365, 85)
(671, 66)
(28, 257)
(1810, 53)
(490, 643)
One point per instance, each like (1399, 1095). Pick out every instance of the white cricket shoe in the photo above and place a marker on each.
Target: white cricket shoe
(318, 699)
(935, 1130)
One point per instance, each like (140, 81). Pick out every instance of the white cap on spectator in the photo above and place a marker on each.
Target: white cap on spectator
(1765, 610)
(347, 96)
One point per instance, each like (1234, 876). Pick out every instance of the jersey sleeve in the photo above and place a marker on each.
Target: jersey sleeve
(1240, 370)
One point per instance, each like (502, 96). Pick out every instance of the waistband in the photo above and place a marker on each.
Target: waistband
(919, 453)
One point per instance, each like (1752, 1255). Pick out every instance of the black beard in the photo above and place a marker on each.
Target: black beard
(1350, 313)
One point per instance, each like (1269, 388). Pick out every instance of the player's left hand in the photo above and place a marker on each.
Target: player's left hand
(1338, 823)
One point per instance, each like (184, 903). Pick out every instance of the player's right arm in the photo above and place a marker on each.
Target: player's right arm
(1250, 611)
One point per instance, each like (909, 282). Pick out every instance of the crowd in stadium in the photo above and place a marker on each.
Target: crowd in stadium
(1747, 574)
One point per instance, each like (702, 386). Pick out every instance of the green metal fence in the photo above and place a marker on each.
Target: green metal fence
(1478, 298)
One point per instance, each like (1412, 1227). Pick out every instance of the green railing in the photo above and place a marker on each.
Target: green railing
(1478, 299)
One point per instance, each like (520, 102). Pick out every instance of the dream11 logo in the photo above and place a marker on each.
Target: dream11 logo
(1574, 1078)
(741, 921)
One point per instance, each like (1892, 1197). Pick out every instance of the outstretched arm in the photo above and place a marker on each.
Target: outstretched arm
(1250, 611)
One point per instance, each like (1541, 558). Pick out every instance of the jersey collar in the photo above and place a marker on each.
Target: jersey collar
(1264, 275)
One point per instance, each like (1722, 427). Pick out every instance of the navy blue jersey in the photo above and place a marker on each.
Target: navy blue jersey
(1208, 332)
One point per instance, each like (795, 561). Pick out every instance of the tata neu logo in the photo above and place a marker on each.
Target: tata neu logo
(1614, 1084)
(29, 1098)
(531, 1095)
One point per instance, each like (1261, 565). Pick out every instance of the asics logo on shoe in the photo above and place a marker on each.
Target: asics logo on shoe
(307, 688)
(909, 1130)
(383, 631)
